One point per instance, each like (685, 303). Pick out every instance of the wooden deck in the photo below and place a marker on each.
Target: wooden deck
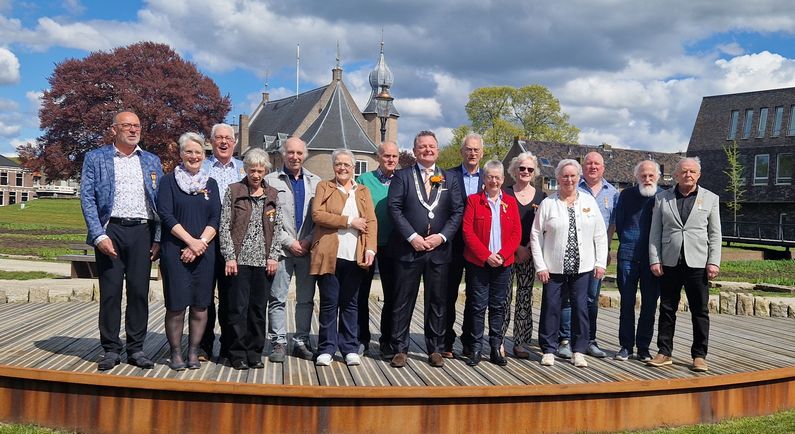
(48, 355)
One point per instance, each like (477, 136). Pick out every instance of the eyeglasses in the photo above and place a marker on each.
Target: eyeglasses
(128, 126)
(224, 138)
(526, 169)
(342, 165)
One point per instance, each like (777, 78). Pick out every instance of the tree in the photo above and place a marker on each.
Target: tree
(501, 113)
(450, 154)
(168, 94)
(734, 186)
(406, 158)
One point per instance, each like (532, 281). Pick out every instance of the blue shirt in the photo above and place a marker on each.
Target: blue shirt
(224, 174)
(632, 217)
(471, 181)
(606, 199)
(298, 196)
(495, 237)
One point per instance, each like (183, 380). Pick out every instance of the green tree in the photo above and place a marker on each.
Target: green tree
(500, 113)
(734, 186)
(450, 154)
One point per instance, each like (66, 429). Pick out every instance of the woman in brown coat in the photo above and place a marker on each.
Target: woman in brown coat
(343, 247)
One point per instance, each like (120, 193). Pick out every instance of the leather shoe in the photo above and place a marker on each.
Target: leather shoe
(699, 365)
(497, 358)
(448, 354)
(177, 366)
(436, 360)
(256, 364)
(108, 361)
(466, 351)
(399, 360)
(240, 365)
(475, 359)
(520, 352)
(140, 360)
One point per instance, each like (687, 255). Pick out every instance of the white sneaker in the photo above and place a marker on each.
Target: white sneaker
(579, 360)
(352, 359)
(324, 360)
(548, 359)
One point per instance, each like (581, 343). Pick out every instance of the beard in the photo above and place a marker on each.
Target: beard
(647, 191)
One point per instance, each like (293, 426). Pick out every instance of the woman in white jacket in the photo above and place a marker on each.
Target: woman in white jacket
(569, 243)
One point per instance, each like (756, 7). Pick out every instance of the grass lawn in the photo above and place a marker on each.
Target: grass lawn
(44, 228)
(7, 428)
(779, 423)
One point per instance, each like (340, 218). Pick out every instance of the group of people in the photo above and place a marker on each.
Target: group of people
(248, 229)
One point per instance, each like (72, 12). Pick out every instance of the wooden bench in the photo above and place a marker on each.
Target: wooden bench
(84, 265)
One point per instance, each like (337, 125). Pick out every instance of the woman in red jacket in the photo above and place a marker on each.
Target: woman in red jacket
(492, 231)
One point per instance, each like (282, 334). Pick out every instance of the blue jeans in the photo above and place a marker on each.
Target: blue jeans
(594, 289)
(487, 287)
(304, 300)
(629, 274)
(338, 309)
(560, 287)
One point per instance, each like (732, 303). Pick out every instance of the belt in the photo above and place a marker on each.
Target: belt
(121, 221)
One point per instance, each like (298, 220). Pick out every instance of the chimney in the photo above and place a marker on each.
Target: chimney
(266, 96)
(242, 136)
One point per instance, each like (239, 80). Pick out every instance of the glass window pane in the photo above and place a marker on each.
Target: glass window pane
(749, 117)
(791, 131)
(760, 130)
(777, 121)
(761, 169)
(735, 117)
(784, 169)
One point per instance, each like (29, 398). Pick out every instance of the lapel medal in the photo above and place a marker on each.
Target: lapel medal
(154, 180)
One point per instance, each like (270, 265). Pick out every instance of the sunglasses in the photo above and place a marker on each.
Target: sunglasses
(526, 169)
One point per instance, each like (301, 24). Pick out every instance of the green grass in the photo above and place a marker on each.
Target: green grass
(780, 272)
(44, 228)
(26, 275)
(7, 428)
(779, 423)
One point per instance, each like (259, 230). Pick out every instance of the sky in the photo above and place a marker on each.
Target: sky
(628, 73)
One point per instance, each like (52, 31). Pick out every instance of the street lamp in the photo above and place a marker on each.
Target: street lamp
(382, 103)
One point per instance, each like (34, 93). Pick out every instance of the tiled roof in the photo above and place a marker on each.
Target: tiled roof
(6, 162)
(282, 115)
(337, 127)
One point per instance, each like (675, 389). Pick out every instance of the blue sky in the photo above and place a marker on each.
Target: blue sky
(627, 75)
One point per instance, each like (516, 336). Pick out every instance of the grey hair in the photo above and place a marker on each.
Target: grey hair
(337, 152)
(494, 164)
(283, 146)
(693, 159)
(568, 162)
(256, 157)
(190, 137)
(636, 170)
(513, 168)
(216, 127)
(471, 136)
(380, 150)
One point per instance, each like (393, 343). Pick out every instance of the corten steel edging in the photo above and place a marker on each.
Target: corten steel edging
(107, 403)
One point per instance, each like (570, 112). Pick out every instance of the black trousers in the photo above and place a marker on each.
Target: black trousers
(488, 287)
(695, 282)
(455, 272)
(434, 277)
(224, 285)
(133, 267)
(386, 272)
(247, 305)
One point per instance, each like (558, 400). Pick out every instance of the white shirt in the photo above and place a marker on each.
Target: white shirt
(349, 236)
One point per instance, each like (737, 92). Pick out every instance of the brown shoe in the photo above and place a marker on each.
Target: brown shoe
(660, 360)
(436, 360)
(699, 365)
(520, 352)
(448, 354)
(399, 360)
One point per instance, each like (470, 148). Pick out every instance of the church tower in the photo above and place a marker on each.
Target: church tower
(380, 112)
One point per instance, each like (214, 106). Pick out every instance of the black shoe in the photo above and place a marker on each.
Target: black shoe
(475, 359)
(180, 366)
(108, 361)
(497, 358)
(140, 360)
(255, 364)
(240, 365)
(194, 362)
(302, 351)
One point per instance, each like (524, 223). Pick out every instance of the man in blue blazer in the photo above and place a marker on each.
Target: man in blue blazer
(426, 206)
(684, 250)
(118, 193)
(470, 177)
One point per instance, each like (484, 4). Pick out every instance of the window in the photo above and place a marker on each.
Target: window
(3, 178)
(749, 117)
(553, 184)
(735, 117)
(19, 179)
(24, 196)
(361, 167)
(12, 198)
(760, 130)
(544, 162)
(761, 169)
(791, 131)
(784, 169)
(777, 121)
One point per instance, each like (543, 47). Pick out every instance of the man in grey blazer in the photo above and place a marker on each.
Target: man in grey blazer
(684, 250)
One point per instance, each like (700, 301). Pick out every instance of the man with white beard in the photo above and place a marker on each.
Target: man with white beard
(633, 221)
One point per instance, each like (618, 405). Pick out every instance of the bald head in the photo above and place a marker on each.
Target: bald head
(388, 155)
(594, 168)
(294, 152)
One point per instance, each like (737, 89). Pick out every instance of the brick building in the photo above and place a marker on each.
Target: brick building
(16, 183)
(763, 125)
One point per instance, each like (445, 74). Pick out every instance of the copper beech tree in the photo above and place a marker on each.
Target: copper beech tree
(168, 94)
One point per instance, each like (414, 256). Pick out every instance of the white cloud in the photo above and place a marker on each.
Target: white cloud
(420, 107)
(9, 130)
(9, 67)
(732, 49)
(16, 143)
(34, 99)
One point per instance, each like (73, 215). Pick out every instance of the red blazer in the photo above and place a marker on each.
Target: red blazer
(476, 228)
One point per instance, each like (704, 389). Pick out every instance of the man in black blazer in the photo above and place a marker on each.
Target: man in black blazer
(426, 206)
(470, 177)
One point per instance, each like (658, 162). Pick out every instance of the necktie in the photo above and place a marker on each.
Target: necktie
(428, 174)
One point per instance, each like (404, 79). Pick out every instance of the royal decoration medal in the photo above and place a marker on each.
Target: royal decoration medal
(426, 205)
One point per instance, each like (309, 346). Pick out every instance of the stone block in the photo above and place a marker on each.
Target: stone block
(3, 298)
(17, 295)
(732, 286)
(778, 309)
(728, 302)
(790, 308)
(713, 305)
(39, 295)
(615, 301)
(761, 306)
(95, 292)
(56, 295)
(82, 294)
(604, 300)
(537, 292)
(156, 294)
(683, 307)
(769, 287)
(745, 304)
